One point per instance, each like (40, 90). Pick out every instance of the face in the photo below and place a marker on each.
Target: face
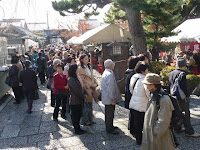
(150, 87)
(59, 70)
(65, 55)
(72, 62)
(145, 72)
(76, 71)
(85, 60)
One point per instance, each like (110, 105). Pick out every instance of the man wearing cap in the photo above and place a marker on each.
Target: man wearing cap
(156, 132)
(110, 95)
(184, 104)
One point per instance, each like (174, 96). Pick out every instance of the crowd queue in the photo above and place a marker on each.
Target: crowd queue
(73, 87)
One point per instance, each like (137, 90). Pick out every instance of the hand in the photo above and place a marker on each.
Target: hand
(114, 101)
(93, 87)
(66, 87)
(187, 98)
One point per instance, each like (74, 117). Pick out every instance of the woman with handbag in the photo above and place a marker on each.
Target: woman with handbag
(76, 99)
(60, 90)
(90, 85)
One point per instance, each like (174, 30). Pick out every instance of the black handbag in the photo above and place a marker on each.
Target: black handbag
(7, 81)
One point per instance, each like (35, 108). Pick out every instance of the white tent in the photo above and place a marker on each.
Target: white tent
(70, 40)
(104, 34)
(188, 31)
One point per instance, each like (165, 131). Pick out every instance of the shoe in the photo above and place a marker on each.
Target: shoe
(93, 122)
(116, 128)
(138, 142)
(113, 132)
(63, 116)
(55, 119)
(16, 103)
(80, 132)
(87, 124)
(179, 131)
(52, 105)
(195, 135)
(29, 111)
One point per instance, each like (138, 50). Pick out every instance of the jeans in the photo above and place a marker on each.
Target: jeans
(53, 99)
(109, 116)
(60, 100)
(76, 113)
(17, 92)
(87, 113)
(29, 96)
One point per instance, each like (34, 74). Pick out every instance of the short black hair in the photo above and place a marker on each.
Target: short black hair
(141, 67)
(142, 57)
(27, 64)
(133, 62)
(14, 60)
(40, 54)
(60, 65)
(69, 59)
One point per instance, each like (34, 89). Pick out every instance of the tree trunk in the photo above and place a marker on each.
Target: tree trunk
(137, 31)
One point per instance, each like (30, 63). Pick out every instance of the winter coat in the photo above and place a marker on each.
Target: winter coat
(129, 73)
(88, 81)
(28, 79)
(109, 88)
(76, 92)
(59, 83)
(41, 64)
(140, 93)
(183, 83)
(156, 131)
(14, 76)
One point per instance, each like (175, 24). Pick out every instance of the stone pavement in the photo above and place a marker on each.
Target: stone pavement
(37, 131)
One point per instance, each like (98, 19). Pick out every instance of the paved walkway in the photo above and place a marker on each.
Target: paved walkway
(19, 130)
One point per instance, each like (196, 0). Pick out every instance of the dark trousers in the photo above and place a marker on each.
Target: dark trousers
(29, 96)
(42, 77)
(131, 124)
(16, 91)
(138, 124)
(109, 116)
(21, 92)
(59, 100)
(53, 99)
(76, 113)
(187, 124)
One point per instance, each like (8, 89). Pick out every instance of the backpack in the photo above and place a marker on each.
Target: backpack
(176, 91)
(177, 114)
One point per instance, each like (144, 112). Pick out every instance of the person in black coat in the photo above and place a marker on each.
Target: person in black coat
(42, 67)
(14, 79)
(28, 79)
(129, 73)
(76, 98)
(185, 103)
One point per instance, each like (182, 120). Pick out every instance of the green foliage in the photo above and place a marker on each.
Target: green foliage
(193, 81)
(157, 66)
(164, 73)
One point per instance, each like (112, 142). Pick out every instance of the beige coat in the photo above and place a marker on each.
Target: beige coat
(156, 132)
(88, 81)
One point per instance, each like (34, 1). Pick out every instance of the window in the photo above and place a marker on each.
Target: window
(117, 50)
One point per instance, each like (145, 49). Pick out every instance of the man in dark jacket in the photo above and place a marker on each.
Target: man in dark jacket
(42, 66)
(14, 79)
(184, 104)
(28, 79)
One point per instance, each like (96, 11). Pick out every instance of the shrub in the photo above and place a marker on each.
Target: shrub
(157, 66)
(193, 81)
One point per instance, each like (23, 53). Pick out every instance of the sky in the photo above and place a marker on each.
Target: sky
(36, 11)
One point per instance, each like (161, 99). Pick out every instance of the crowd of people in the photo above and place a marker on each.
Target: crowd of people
(73, 87)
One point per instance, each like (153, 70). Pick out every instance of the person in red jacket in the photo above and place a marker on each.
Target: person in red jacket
(60, 90)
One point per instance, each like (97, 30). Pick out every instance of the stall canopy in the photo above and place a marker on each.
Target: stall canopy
(104, 34)
(72, 39)
(188, 31)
